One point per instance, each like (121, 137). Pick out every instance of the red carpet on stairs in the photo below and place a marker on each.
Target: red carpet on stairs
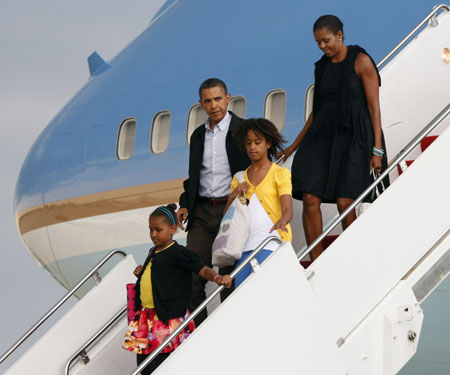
(424, 143)
(408, 163)
(327, 241)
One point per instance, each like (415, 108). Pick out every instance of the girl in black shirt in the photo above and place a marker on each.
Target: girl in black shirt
(163, 290)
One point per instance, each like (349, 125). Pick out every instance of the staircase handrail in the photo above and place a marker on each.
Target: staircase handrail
(216, 291)
(302, 254)
(430, 16)
(60, 303)
(106, 327)
(437, 120)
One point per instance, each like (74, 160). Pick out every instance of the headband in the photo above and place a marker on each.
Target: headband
(168, 213)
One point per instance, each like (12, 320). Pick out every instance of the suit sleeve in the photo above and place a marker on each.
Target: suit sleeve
(184, 197)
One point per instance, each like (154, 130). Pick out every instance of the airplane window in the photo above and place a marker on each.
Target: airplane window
(160, 132)
(196, 117)
(125, 140)
(275, 107)
(238, 106)
(309, 96)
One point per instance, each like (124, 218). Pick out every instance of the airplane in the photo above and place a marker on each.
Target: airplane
(119, 147)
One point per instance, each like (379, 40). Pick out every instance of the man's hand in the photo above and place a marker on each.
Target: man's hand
(224, 280)
(182, 215)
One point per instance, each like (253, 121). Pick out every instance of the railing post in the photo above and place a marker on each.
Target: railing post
(60, 303)
(216, 291)
(397, 159)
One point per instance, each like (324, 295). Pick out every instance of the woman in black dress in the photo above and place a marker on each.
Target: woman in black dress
(342, 139)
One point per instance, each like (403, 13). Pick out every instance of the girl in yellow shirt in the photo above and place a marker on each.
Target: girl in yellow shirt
(267, 187)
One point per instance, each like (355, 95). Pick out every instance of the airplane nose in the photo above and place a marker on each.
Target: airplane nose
(30, 214)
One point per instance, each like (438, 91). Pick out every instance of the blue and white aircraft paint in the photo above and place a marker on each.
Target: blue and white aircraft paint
(120, 146)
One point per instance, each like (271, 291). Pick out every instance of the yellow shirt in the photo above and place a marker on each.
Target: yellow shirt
(277, 182)
(146, 284)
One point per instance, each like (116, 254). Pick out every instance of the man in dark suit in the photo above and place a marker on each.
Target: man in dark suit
(214, 157)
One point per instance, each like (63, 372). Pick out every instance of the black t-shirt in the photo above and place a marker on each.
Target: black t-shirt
(171, 280)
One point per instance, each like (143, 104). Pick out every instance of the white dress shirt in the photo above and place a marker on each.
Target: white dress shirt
(215, 173)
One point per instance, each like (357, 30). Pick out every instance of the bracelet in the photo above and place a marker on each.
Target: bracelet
(215, 277)
(378, 151)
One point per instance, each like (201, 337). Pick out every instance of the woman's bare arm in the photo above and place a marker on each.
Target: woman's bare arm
(369, 77)
(286, 213)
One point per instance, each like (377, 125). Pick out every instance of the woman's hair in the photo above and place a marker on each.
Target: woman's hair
(167, 212)
(330, 22)
(263, 127)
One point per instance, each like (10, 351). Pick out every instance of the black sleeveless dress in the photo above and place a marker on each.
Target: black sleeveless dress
(333, 159)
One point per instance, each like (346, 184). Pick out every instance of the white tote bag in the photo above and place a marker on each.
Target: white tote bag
(375, 193)
(233, 232)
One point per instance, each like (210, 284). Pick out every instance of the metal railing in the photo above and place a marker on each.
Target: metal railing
(81, 352)
(93, 273)
(399, 157)
(396, 160)
(433, 22)
(203, 305)
(431, 16)
(301, 255)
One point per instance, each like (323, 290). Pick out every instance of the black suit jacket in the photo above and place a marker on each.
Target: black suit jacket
(237, 160)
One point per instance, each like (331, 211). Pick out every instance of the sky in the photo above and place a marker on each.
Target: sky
(44, 49)
(43, 63)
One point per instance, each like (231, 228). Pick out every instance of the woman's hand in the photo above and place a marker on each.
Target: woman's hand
(290, 149)
(138, 270)
(281, 225)
(286, 214)
(242, 187)
(375, 164)
(284, 153)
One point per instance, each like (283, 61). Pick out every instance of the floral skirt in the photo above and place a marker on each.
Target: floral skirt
(146, 332)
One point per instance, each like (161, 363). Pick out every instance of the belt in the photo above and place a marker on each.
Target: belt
(213, 201)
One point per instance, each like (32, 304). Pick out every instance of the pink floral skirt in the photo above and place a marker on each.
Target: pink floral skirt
(146, 332)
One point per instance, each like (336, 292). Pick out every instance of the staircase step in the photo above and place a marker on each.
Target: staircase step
(424, 143)
(305, 263)
(408, 163)
(327, 241)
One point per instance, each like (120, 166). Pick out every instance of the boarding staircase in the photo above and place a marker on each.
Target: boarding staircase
(355, 310)
(360, 328)
(401, 167)
(424, 143)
